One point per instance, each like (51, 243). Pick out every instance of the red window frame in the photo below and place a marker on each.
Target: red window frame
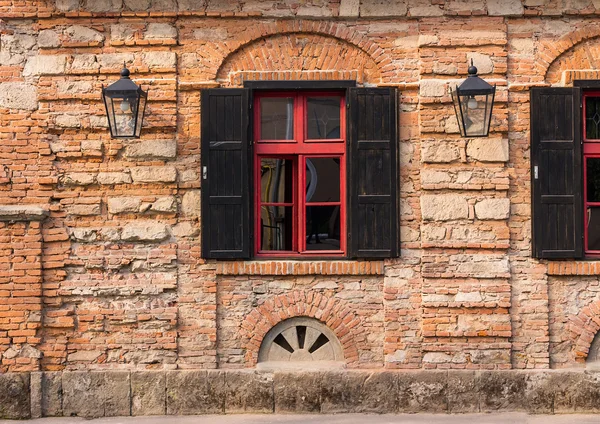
(591, 150)
(299, 149)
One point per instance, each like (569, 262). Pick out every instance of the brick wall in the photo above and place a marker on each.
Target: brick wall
(116, 279)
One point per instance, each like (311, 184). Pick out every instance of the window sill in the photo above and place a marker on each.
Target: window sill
(290, 267)
(574, 267)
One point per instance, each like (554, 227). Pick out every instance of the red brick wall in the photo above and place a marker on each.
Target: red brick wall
(120, 282)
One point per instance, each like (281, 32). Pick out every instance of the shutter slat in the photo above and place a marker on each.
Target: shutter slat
(557, 193)
(226, 153)
(372, 173)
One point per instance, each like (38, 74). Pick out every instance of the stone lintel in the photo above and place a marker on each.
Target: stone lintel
(283, 267)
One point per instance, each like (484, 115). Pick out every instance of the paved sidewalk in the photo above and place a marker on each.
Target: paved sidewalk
(508, 418)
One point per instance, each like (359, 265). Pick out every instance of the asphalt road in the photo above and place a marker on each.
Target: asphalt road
(508, 418)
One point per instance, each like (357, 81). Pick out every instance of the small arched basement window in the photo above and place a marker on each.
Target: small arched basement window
(593, 359)
(300, 343)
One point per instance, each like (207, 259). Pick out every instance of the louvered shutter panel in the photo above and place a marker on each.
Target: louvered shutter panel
(556, 174)
(372, 173)
(226, 154)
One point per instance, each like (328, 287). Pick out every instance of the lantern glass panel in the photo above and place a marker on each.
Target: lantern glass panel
(474, 113)
(124, 111)
(141, 109)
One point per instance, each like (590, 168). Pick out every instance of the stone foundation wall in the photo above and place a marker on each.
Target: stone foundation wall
(124, 393)
(101, 266)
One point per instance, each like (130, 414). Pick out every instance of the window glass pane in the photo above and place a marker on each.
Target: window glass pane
(322, 228)
(276, 228)
(592, 117)
(323, 117)
(277, 118)
(593, 179)
(276, 180)
(322, 180)
(593, 228)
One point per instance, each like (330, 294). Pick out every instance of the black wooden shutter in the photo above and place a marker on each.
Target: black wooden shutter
(372, 173)
(226, 153)
(556, 173)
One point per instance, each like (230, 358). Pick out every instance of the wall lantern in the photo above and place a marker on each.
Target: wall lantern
(473, 102)
(125, 103)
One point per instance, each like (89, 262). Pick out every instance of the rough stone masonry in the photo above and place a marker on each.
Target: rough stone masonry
(102, 286)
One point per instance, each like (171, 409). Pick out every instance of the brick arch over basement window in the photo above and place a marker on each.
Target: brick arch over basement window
(330, 311)
(324, 28)
(551, 51)
(584, 327)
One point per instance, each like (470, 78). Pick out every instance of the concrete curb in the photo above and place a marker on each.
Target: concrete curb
(195, 392)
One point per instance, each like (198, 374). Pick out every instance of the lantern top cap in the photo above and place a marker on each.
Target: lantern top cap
(124, 86)
(474, 85)
(125, 72)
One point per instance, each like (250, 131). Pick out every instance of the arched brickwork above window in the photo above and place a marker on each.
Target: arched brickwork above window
(298, 56)
(584, 327)
(575, 50)
(334, 313)
(260, 36)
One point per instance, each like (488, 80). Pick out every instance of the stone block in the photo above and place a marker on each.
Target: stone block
(108, 178)
(439, 152)
(85, 210)
(77, 179)
(45, 65)
(160, 60)
(349, 8)
(422, 11)
(483, 62)
(18, 95)
(492, 209)
(186, 229)
(118, 205)
(576, 392)
(100, 6)
(23, 213)
(488, 149)
(539, 392)
(160, 31)
(379, 8)
(82, 34)
(114, 60)
(501, 391)
(432, 88)
(481, 266)
(504, 7)
(148, 396)
(35, 394)
(462, 387)
(164, 205)
(433, 176)
(149, 232)
(14, 396)
(152, 150)
(67, 5)
(48, 39)
(422, 391)
(190, 203)
(359, 392)
(67, 121)
(297, 392)
(52, 394)
(74, 87)
(85, 63)
(83, 394)
(444, 207)
(248, 392)
(121, 32)
(154, 174)
(96, 394)
(195, 392)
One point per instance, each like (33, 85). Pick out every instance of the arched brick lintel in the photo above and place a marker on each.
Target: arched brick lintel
(330, 311)
(324, 28)
(584, 327)
(551, 50)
